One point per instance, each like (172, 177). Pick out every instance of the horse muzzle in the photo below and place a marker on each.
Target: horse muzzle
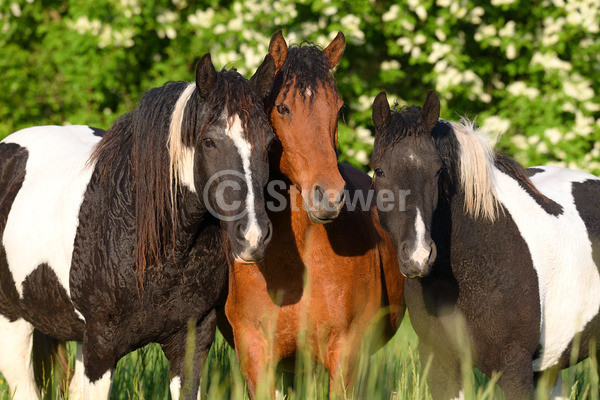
(325, 205)
(418, 263)
(249, 244)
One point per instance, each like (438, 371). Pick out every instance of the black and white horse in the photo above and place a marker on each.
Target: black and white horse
(122, 239)
(509, 254)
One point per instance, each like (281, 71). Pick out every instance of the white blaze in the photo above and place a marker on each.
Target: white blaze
(422, 251)
(236, 133)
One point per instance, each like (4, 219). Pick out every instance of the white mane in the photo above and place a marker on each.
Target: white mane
(476, 171)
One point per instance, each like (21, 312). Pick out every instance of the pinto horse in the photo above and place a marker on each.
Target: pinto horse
(327, 281)
(511, 255)
(116, 242)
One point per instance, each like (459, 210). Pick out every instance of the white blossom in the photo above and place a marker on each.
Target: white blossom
(391, 14)
(202, 19)
(83, 25)
(578, 88)
(15, 9)
(520, 88)
(438, 50)
(553, 134)
(508, 30)
(219, 29)
(495, 125)
(440, 34)
(406, 24)
(390, 65)
(236, 24)
(550, 61)
(419, 39)
(519, 141)
(171, 32)
(362, 157)
(166, 17)
(364, 135)
(405, 43)
(511, 51)
(180, 4)
(584, 125)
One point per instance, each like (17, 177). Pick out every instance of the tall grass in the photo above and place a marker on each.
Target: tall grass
(392, 373)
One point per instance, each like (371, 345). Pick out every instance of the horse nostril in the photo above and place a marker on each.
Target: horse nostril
(269, 233)
(239, 231)
(342, 197)
(318, 194)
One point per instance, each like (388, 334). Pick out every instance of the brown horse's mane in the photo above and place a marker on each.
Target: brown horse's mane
(305, 67)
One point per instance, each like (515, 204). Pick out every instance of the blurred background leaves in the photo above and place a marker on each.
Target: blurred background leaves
(529, 70)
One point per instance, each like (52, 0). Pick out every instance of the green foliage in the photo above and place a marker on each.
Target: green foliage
(531, 70)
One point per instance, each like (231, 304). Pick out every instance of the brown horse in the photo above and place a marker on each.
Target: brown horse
(328, 281)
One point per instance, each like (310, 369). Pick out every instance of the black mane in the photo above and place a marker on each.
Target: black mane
(406, 121)
(403, 122)
(137, 146)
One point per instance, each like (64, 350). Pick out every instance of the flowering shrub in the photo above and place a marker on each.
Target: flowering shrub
(528, 70)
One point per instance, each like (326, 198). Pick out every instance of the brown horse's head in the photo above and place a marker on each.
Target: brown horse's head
(303, 107)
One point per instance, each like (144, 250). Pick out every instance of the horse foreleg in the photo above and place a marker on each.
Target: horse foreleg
(99, 361)
(444, 377)
(341, 363)
(185, 367)
(16, 340)
(256, 363)
(516, 379)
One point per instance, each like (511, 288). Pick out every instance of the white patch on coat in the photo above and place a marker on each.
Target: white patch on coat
(99, 389)
(15, 360)
(422, 252)
(175, 387)
(77, 381)
(43, 220)
(236, 133)
(461, 396)
(561, 252)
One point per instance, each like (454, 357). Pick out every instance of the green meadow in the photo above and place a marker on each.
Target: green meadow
(392, 373)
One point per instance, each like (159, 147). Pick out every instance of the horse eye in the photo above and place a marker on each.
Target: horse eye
(379, 173)
(282, 109)
(208, 142)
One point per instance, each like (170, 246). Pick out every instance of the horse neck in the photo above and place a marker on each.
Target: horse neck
(275, 153)
(190, 221)
(191, 214)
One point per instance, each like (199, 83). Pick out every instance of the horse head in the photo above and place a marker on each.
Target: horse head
(303, 107)
(407, 168)
(222, 152)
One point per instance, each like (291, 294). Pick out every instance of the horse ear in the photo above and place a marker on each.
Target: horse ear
(335, 49)
(206, 76)
(430, 112)
(262, 80)
(278, 49)
(381, 110)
